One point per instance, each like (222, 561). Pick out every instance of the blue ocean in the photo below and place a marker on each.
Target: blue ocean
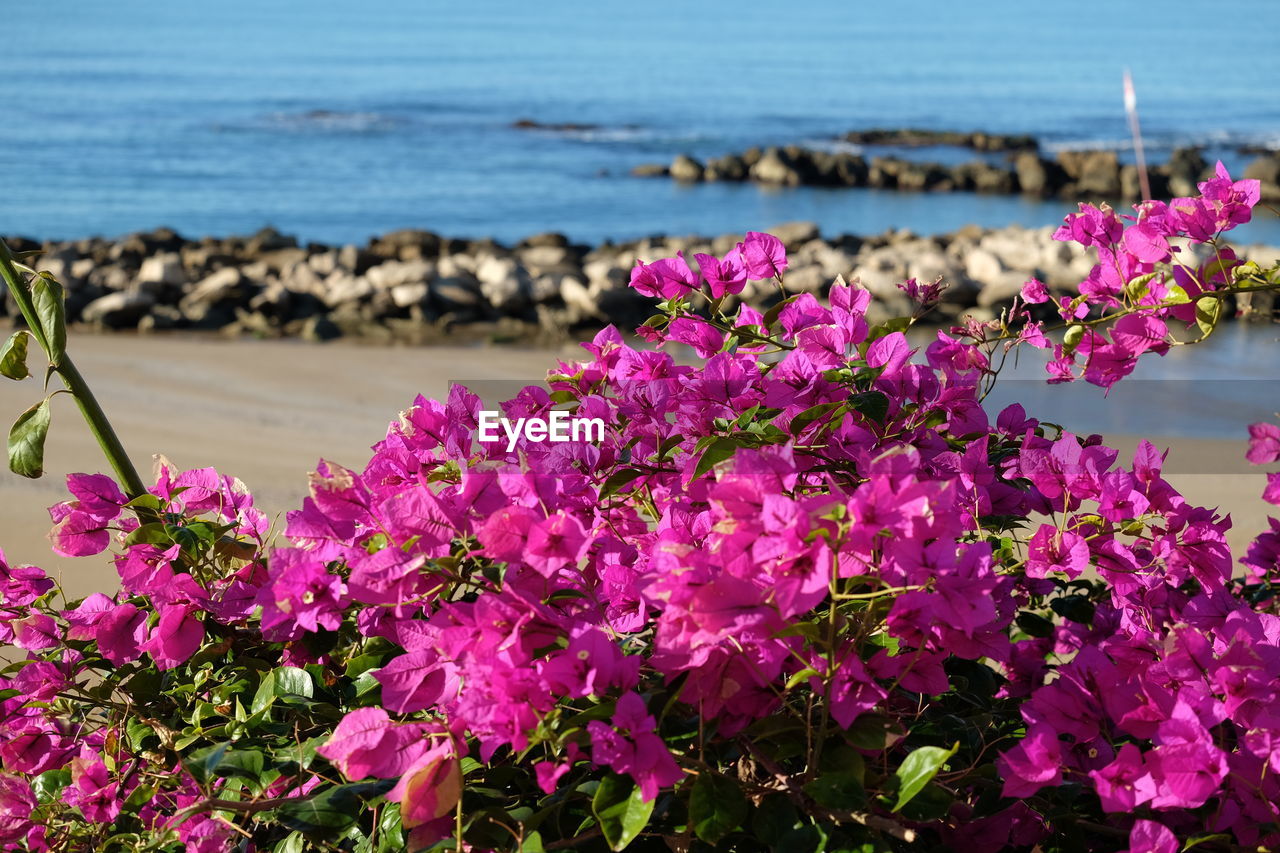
(338, 121)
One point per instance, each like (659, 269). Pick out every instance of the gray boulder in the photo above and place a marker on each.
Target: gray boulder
(685, 168)
(118, 310)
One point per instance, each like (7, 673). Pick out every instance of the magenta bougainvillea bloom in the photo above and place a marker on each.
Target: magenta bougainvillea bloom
(805, 568)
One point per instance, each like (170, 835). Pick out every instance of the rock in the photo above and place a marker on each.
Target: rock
(342, 287)
(118, 310)
(1016, 249)
(1033, 176)
(578, 300)
(807, 279)
(163, 269)
(1266, 170)
(162, 318)
(319, 329)
(922, 176)
(356, 260)
(407, 244)
(1185, 169)
(650, 170)
(774, 167)
(795, 234)
(549, 239)
(274, 301)
(1001, 288)
(503, 283)
(404, 295)
(390, 274)
(730, 167)
(545, 257)
(880, 271)
(926, 267)
(606, 273)
(1094, 173)
(983, 266)
(224, 285)
(455, 295)
(685, 168)
(268, 240)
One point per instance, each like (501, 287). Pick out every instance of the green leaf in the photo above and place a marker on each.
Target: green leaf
(918, 769)
(26, 441)
(774, 818)
(1208, 311)
(621, 810)
(839, 791)
(138, 733)
(1077, 608)
(151, 533)
(1140, 286)
(811, 415)
(771, 316)
(333, 809)
(888, 327)
(147, 501)
(717, 451)
(13, 356)
(932, 803)
(716, 807)
(203, 762)
(46, 295)
(279, 682)
(245, 763)
(617, 480)
(1034, 624)
(802, 677)
(871, 404)
(49, 784)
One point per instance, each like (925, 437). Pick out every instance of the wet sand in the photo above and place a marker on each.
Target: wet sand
(266, 411)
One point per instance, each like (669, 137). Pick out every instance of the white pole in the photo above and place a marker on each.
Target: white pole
(1131, 107)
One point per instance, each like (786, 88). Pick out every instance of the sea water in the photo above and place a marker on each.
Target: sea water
(337, 121)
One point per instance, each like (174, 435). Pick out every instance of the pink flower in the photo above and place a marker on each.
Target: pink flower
(1125, 783)
(1092, 226)
(554, 543)
(367, 743)
(17, 805)
(667, 278)
(763, 254)
(1034, 292)
(1052, 551)
(1031, 765)
(176, 636)
(1147, 836)
(1264, 443)
(725, 276)
(92, 791)
(636, 751)
(923, 295)
(430, 787)
(120, 632)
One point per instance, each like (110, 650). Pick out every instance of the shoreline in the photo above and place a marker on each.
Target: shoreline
(417, 287)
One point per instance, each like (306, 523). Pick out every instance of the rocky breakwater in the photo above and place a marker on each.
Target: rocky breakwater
(1073, 175)
(418, 287)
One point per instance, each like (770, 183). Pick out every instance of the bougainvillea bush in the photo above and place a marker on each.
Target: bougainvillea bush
(806, 594)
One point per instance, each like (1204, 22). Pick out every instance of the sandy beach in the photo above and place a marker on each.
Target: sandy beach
(266, 411)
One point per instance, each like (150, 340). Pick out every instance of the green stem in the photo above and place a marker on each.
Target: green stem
(66, 369)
